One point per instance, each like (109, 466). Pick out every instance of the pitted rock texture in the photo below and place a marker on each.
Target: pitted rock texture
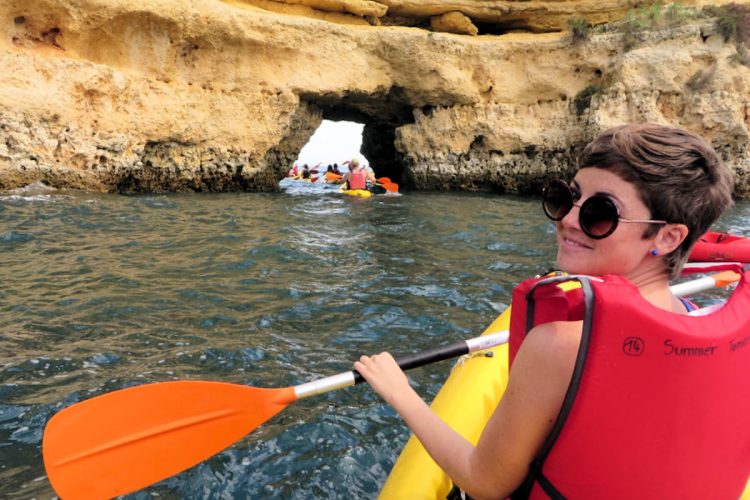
(211, 95)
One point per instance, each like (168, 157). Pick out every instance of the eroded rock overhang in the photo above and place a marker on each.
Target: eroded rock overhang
(221, 96)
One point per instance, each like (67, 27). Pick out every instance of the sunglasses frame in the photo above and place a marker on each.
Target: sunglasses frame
(582, 211)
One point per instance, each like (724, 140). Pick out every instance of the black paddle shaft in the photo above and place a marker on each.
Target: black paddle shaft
(426, 357)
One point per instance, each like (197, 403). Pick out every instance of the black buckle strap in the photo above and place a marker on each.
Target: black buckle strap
(535, 468)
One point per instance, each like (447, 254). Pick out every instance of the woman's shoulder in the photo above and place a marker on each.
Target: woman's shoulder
(552, 346)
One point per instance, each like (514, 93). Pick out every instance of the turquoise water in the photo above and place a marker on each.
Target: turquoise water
(101, 292)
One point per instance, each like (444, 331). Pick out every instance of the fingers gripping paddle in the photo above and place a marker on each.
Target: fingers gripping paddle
(125, 440)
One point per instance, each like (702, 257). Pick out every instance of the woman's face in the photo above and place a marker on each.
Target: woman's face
(623, 252)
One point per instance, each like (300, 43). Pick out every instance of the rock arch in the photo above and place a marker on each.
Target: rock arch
(207, 95)
(381, 113)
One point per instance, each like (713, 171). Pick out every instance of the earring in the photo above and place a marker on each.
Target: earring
(654, 252)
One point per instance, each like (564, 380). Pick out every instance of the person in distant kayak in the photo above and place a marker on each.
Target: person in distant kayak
(305, 172)
(335, 169)
(357, 176)
(294, 172)
(642, 196)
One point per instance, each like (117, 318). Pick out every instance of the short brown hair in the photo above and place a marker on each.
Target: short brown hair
(679, 177)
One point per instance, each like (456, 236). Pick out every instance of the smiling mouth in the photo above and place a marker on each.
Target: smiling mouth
(574, 243)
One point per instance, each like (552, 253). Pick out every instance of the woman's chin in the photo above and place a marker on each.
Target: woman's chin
(576, 266)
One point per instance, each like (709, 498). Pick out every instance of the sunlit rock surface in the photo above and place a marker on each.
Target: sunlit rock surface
(210, 95)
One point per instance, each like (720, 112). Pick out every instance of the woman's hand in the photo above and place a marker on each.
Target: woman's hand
(385, 376)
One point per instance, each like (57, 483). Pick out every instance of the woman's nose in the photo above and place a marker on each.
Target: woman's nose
(571, 219)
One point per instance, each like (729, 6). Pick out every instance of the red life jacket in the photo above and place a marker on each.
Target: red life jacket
(659, 403)
(358, 179)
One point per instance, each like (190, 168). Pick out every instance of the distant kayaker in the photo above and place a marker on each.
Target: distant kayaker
(642, 196)
(357, 176)
(305, 172)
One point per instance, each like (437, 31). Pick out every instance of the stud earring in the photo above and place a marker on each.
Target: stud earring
(654, 252)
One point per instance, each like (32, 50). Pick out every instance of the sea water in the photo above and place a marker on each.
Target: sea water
(101, 292)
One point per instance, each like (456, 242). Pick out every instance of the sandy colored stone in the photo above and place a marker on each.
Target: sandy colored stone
(355, 7)
(298, 10)
(144, 96)
(453, 22)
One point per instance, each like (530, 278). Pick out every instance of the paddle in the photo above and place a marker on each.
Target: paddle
(389, 186)
(332, 177)
(125, 440)
(386, 183)
(720, 279)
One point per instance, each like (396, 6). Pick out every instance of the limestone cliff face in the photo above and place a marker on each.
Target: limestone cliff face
(210, 95)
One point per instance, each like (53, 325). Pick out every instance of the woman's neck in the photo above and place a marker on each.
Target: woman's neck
(653, 284)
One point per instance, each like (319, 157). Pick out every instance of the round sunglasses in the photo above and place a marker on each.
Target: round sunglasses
(598, 215)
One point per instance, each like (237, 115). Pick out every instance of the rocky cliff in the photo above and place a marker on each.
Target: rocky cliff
(210, 95)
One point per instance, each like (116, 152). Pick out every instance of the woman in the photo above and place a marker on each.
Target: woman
(666, 187)
(357, 176)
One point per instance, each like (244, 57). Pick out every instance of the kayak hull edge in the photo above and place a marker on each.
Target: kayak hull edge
(465, 402)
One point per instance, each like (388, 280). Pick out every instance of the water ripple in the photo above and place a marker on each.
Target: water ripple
(103, 292)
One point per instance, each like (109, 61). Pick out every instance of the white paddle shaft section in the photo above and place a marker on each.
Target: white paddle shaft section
(324, 385)
(721, 279)
(694, 286)
(486, 341)
(347, 379)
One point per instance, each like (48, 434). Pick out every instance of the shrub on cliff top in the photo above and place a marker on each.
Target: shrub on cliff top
(732, 21)
(657, 15)
(579, 28)
(676, 14)
(654, 16)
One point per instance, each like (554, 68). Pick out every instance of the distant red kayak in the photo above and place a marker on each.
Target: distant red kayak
(721, 247)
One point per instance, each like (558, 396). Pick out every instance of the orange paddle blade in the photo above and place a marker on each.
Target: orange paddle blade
(383, 180)
(125, 440)
(725, 278)
(390, 186)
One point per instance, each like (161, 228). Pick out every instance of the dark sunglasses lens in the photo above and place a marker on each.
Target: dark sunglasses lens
(598, 217)
(557, 200)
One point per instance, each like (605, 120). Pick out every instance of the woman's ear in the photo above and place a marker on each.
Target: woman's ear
(670, 237)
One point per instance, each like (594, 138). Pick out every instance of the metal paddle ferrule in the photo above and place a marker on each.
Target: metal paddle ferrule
(408, 362)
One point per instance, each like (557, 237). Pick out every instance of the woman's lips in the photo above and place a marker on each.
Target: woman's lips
(573, 243)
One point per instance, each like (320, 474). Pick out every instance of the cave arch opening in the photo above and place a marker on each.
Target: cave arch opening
(379, 115)
(333, 143)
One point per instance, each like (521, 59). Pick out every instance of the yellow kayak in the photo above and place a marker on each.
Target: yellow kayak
(465, 402)
(362, 193)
